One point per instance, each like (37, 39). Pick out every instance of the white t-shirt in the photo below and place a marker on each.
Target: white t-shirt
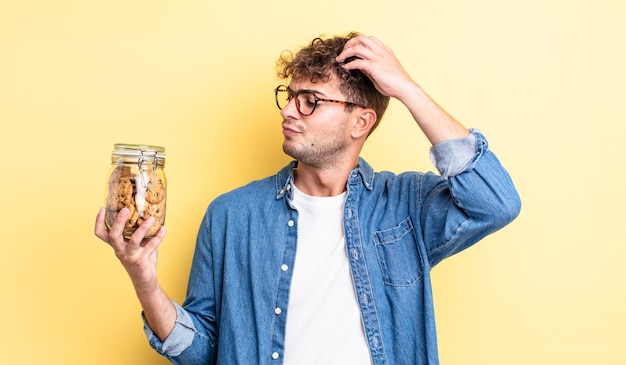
(323, 321)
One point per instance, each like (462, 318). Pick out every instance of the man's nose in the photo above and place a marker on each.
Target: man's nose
(291, 109)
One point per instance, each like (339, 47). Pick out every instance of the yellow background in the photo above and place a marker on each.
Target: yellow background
(545, 80)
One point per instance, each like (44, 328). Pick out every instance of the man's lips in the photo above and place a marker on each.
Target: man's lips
(289, 130)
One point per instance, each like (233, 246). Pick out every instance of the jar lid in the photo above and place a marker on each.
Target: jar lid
(137, 151)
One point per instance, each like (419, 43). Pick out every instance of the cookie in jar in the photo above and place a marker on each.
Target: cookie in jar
(136, 181)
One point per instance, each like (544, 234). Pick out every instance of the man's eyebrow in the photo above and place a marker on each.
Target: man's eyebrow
(312, 91)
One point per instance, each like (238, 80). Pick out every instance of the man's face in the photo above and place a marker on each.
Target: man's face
(319, 139)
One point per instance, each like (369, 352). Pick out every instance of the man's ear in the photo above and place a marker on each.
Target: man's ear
(366, 118)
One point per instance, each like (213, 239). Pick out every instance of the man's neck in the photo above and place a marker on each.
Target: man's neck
(322, 181)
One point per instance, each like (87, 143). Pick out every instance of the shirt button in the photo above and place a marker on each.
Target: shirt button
(288, 187)
(355, 254)
(290, 223)
(277, 311)
(275, 355)
(284, 267)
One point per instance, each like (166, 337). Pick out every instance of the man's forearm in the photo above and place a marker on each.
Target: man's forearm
(435, 122)
(159, 311)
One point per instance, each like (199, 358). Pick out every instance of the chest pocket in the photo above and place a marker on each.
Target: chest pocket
(399, 259)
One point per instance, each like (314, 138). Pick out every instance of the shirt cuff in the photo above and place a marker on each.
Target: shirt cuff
(178, 340)
(454, 156)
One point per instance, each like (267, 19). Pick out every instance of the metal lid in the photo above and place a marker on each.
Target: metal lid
(138, 152)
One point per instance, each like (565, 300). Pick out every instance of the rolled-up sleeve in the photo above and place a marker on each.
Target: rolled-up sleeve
(454, 156)
(179, 339)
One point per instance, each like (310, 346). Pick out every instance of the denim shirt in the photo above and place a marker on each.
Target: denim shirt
(397, 227)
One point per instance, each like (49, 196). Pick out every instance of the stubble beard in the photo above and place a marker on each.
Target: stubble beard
(315, 154)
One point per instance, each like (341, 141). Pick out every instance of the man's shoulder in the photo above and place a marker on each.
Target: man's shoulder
(252, 188)
(264, 188)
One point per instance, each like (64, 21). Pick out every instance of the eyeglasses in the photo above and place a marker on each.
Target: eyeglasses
(306, 101)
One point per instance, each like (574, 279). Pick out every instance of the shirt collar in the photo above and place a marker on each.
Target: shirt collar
(362, 173)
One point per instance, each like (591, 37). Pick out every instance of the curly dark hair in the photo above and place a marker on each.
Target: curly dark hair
(317, 63)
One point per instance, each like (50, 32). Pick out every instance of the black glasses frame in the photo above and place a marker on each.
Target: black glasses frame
(291, 94)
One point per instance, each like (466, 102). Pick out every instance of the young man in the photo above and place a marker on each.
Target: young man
(327, 262)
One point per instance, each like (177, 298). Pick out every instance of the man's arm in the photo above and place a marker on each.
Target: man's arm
(485, 198)
(138, 255)
(379, 63)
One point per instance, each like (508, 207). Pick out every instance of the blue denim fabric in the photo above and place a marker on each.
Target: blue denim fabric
(397, 228)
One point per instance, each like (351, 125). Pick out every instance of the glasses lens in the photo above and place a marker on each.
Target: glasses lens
(282, 97)
(306, 103)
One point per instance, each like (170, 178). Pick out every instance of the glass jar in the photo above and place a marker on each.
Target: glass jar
(136, 181)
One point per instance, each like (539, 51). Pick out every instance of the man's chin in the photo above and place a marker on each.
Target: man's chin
(290, 151)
